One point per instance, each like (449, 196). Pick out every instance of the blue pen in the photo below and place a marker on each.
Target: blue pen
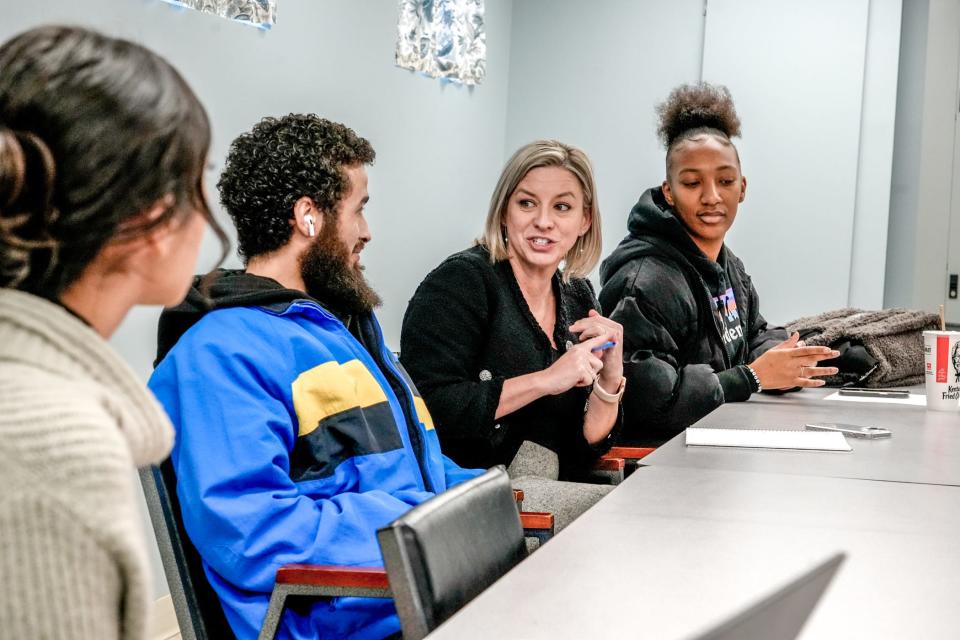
(606, 345)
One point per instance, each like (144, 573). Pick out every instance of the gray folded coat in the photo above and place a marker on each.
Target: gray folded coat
(893, 336)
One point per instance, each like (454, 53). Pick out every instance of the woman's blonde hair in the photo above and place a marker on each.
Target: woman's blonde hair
(585, 253)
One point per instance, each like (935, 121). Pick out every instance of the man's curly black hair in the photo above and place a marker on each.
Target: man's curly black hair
(278, 162)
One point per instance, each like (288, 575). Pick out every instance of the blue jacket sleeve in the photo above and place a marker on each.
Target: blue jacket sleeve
(243, 512)
(455, 474)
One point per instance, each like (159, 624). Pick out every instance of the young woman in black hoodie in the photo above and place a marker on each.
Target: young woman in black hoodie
(694, 337)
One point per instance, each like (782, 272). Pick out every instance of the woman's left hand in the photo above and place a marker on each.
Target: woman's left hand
(595, 325)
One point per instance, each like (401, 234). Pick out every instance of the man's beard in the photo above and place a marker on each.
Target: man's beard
(329, 278)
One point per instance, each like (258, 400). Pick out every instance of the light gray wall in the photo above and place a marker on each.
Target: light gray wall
(875, 163)
(953, 248)
(815, 85)
(797, 79)
(439, 147)
(589, 74)
(920, 198)
(905, 185)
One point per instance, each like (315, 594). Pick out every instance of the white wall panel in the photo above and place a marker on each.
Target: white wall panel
(875, 165)
(796, 72)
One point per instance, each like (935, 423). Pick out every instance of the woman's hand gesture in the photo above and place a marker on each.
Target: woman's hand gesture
(594, 326)
(789, 365)
(578, 367)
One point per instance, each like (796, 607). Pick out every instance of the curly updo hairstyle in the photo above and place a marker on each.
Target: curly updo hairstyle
(93, 132)
(280, 161)
(693, 110)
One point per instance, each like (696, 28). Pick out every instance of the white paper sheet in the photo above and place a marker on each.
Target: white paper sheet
(915, 399)
(767, 439)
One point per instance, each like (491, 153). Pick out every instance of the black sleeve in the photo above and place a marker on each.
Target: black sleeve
(664, 396)
(444, 331)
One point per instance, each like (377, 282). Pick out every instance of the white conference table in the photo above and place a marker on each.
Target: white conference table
(674, 551)
(924, 446)
(699, 534)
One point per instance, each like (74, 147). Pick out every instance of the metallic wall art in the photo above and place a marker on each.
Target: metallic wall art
(258, 13)
(443, 39)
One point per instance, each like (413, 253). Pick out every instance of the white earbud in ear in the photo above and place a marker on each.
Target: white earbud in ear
(311, 230)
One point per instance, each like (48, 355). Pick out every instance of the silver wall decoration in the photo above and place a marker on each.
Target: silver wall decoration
(258, 13)
(443, 39)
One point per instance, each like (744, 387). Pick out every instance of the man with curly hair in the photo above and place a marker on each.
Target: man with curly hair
(298, 432)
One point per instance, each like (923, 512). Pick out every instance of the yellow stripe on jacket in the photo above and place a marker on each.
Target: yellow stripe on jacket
(331, 388)
(423, 413)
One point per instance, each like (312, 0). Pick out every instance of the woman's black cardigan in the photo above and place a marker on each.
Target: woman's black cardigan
(466, 330)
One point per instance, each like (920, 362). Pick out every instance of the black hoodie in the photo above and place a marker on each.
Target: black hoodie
(661, 287)
(226, 288)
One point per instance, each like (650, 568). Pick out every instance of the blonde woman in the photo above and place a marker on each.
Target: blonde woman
(504, 339)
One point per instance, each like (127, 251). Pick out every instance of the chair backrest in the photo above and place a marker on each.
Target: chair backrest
(197, 605)
(443, 553)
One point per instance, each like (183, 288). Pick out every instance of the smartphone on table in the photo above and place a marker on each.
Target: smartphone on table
(874, 393)
(852, 430)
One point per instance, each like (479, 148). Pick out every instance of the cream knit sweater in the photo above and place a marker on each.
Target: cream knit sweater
(74, 420)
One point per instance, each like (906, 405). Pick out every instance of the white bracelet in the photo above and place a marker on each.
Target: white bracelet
(756, 378)
(606, 396)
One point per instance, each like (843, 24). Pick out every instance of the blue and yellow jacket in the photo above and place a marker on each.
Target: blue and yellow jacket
(296, 440)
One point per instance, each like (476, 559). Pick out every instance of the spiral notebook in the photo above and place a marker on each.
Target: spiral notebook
(767, 439)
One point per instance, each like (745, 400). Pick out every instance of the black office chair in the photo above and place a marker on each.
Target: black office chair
(197, 606)
(414, 581)
(443, 553)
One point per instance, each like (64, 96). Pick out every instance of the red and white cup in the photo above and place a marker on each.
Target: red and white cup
(941, 369)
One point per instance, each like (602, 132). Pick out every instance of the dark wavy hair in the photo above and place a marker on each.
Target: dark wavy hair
(94, 131)
(280, 161)
(692, 110)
